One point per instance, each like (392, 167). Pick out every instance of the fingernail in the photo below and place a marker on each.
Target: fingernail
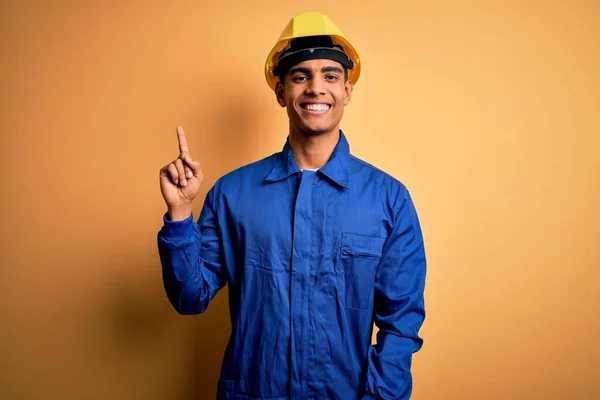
(176, 181)
(189, 174)
(184, 182)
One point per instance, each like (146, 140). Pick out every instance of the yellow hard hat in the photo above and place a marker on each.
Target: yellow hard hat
(310, 24)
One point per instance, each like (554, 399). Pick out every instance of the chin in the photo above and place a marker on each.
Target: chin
(315, 130)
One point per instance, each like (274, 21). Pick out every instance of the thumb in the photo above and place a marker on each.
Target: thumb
(194, 165)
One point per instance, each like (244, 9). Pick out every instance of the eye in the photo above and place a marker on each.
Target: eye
(299, 78)
(331, 77)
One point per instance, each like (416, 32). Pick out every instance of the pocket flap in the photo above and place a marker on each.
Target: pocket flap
(364, 245)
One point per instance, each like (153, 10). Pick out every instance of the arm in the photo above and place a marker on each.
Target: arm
(190, 253)
(399, 308)
(191, 258)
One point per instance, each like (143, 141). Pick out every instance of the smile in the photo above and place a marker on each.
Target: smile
(315, 108)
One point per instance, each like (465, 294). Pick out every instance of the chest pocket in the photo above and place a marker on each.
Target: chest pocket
(360, 255)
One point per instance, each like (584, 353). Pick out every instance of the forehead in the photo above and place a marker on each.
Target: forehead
(318, 64)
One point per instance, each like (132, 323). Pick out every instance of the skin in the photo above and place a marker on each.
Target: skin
(313, 135)
(180, 181)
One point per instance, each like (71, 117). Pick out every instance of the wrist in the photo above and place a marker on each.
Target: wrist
(179, 213)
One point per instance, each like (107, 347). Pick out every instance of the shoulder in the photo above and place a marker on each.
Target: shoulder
(246, 175)
(393, 194)
(370, 173)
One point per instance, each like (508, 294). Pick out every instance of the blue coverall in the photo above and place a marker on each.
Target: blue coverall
(312, 259)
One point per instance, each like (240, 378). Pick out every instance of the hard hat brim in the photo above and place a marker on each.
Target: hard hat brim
(272, 79)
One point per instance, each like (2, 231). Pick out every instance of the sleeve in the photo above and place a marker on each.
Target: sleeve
(399, 308)
(192, 259)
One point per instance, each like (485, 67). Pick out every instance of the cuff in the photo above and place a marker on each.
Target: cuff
(178, 230)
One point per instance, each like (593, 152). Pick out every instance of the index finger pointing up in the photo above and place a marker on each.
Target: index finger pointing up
(183, 147)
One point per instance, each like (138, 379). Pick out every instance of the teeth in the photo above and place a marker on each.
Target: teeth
(317, 107)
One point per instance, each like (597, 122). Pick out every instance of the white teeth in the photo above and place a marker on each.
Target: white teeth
(317, 107)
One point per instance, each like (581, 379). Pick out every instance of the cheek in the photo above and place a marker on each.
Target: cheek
(340, 97)
(290, 106)
(289, 100)
(340, 102)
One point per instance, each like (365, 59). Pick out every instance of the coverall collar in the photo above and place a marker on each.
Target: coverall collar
(337, 168)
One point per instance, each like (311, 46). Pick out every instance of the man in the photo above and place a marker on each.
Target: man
(315, 245)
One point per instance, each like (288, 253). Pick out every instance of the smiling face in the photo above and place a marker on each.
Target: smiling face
(314, 93)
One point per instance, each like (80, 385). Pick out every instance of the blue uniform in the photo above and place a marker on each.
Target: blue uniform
(312, 259)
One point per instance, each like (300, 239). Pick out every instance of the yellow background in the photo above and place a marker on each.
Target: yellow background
(487, 110)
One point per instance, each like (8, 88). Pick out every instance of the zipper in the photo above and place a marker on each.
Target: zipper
(356, 253)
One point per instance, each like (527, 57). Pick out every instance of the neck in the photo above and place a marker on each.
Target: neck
(313, 151)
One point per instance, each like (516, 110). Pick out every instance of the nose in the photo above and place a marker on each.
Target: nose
(316, 86)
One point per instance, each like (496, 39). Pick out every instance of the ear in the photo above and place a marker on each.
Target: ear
(348, 88)
(279, 94)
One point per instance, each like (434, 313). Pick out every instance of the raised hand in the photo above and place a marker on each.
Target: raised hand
(180, 181)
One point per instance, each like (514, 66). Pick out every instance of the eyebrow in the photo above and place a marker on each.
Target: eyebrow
(307, 71)
(332, 69)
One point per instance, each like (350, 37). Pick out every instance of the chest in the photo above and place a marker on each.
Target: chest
(305, 217)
